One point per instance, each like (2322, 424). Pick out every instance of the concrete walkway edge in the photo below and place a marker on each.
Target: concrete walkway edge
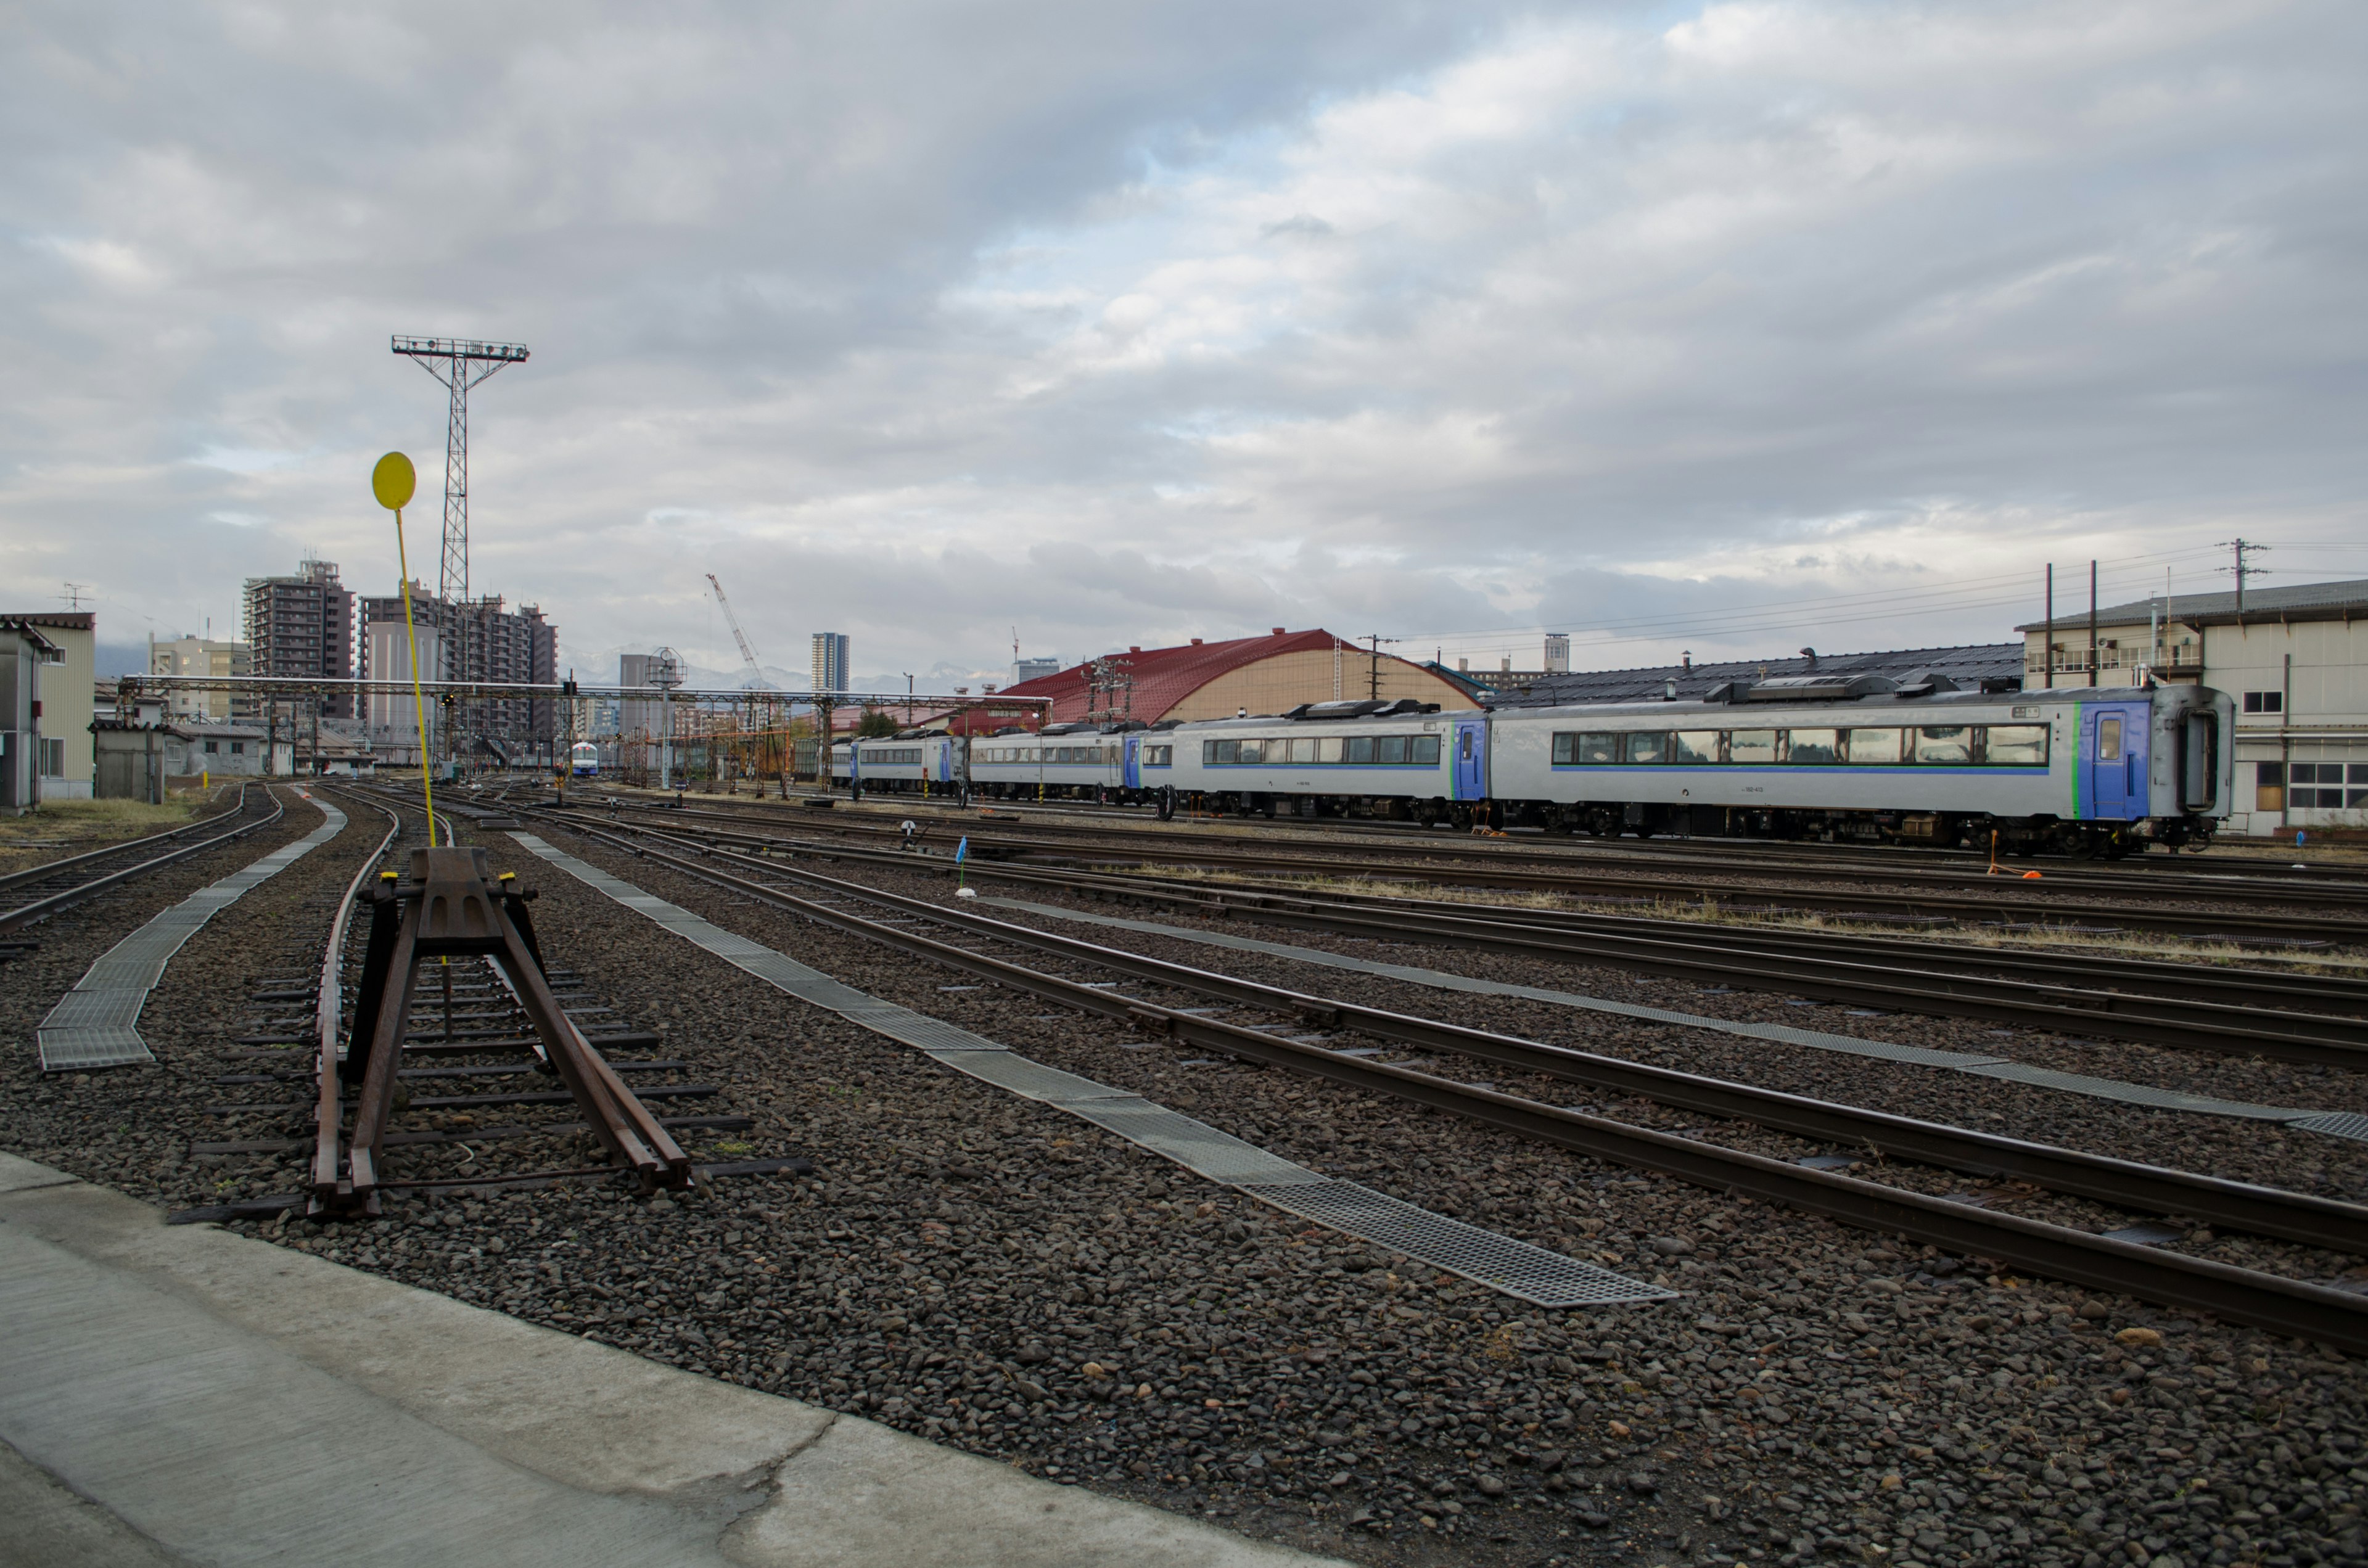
(188, 1395)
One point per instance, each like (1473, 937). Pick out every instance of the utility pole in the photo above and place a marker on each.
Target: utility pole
(1373, 686)
(2047, 654)
(2092, 623)
(453, 361)
(2244, 568)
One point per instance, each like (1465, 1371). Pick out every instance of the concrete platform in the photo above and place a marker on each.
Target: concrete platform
(186, 1395)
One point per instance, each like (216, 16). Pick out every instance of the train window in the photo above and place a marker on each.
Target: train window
(1303, 748)
(1253, 751)
(1327, 749)
(2109, 738)
(1159, 756)
(1813, 746)
(1694, 745)
(1389, 749)
(1596, 746)
(1424, 749)
(1215, 752)
(2016, 746)
(1876, 747)
(1361, 748)
(1751, 745)
(1945, 745)
(1649, 745)
(1563, 746)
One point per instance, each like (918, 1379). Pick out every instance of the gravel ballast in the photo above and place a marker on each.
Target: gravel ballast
(1002, 1277)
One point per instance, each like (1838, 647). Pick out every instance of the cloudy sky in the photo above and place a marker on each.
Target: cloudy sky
(1724, 328)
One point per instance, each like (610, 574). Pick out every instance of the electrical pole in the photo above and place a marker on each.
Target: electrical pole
(1375, 683)
(2092, 623)
(2244, 568)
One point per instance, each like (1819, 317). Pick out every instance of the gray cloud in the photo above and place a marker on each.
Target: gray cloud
(1129, 323)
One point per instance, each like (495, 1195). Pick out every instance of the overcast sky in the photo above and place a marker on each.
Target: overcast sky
(1723, 327)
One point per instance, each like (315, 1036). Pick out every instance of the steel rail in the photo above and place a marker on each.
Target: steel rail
(2158, 978)
(329, 1106)
(43, 908)
(2298, 1216)
(1548, 860)
(2264, 1300)
(1726, 956)
(48, 869)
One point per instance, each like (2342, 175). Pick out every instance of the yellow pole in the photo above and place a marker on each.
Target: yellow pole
(418, 702)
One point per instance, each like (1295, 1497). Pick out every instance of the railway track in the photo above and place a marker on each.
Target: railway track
(2333, 891)
(2336, 917)
(2308, 1019)
(37, 893)
(2310, 1311)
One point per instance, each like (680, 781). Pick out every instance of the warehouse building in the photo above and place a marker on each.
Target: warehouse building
(2295, 662)
(1215, 680)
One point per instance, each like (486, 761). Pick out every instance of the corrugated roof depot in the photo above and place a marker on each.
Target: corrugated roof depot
(2304, 601)
(1967, 664)
(1166, 677)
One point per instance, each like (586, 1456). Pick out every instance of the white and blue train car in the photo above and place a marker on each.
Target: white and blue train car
(584, 760)
(1403, 761)
(911, 764)
(1058, 762)
(2069, 769)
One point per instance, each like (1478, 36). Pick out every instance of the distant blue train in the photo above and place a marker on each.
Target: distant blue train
(584, 760)
(2080, 770)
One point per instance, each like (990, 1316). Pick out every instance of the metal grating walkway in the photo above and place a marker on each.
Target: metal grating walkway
(2337, 1124)
(1501, 1263)
(97, 1023)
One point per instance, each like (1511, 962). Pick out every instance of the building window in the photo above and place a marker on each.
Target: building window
(2321, 785)
(238, 748)
(2265, 702)
(53, 758)
(212, 746)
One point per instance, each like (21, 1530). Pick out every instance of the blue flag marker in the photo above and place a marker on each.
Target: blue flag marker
(961, 850)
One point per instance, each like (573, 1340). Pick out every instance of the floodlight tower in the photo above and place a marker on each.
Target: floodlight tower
(454, 361)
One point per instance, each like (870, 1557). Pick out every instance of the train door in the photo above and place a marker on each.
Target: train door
(2114, 750)
(1132, 768)
(1471, 761)
(945, 762)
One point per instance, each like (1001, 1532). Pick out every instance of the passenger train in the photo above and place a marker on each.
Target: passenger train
(584, 760)
(2083, 770)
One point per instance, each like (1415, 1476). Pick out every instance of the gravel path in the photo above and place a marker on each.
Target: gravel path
(1006, 1279)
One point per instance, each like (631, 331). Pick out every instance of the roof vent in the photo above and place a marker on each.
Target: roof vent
(1278, 631)
(1925, 683)
(1196, 642)
(1817, 688)
(1339, 707)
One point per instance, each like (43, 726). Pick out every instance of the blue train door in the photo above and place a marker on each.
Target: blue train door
(1132, 775)
(2114, 750)
(1470, 743)
(945, 762)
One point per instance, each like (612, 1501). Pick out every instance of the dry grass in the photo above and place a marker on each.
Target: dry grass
(94, 822)
(1710, 912)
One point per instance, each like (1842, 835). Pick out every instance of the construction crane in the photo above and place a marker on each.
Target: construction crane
(747, 654)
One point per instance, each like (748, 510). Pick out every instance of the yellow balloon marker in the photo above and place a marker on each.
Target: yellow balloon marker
(392, 481)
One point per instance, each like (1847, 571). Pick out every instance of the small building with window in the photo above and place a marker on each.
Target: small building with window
(2295, 660)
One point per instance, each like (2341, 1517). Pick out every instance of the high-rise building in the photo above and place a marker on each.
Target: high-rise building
(474, 640)
(641, 719)
(1034, 669)
(1557, 652)
(203, 656)
(302, 627)
(829, 661)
